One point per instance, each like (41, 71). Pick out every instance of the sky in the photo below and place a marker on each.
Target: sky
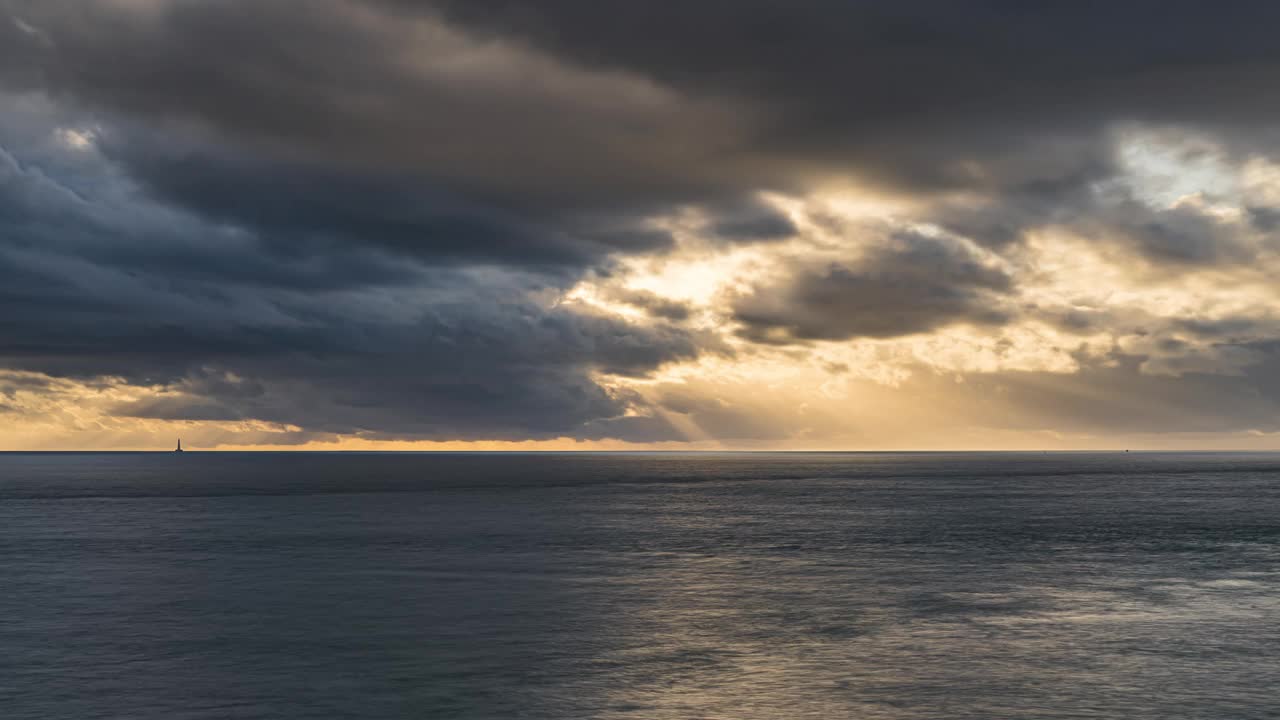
(573, 224)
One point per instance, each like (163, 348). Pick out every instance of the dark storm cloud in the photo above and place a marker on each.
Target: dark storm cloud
(303, 208)
(461, 373)
(912, 284)
(927, 91)
(247, 321)
(349, 216)
(380, 105)
(272, 190)
(657, 105)
(930, 94)
(1015, 104)
(350, 86)
(458, 369)
(450, 354)
(748, 221)
(1186, 237)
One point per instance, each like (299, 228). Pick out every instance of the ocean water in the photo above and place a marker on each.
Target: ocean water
(736, 586)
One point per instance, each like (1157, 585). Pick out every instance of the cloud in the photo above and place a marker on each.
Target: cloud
(750, 220)
(434, 220)
(353, 87)
(653, 303)
(912, 284)
(926, 92)
(228, 323)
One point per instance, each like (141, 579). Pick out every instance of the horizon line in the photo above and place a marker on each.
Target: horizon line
(727, 451)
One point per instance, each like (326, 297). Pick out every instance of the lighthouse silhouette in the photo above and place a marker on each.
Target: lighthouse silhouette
(179, 448)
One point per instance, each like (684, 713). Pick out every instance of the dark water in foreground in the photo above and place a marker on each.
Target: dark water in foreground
(639, 586)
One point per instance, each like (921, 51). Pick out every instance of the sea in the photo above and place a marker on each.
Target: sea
(655, 586)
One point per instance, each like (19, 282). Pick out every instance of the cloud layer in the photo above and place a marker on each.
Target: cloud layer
(384, 220)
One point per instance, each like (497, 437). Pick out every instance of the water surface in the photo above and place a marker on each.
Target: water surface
(211, 586)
